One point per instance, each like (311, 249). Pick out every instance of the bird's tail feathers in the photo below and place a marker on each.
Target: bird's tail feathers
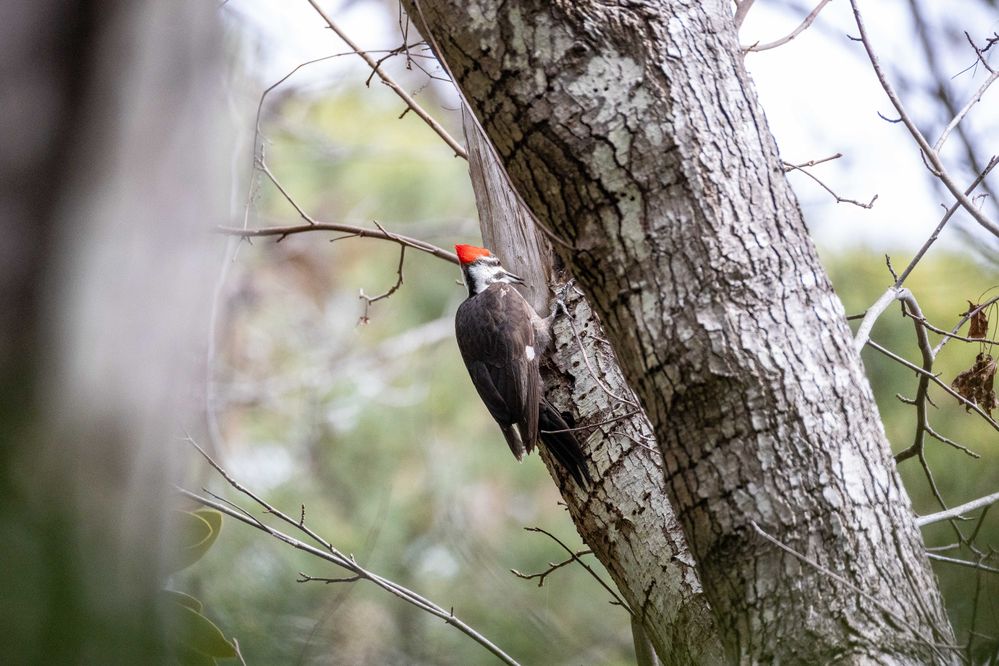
(561, 443)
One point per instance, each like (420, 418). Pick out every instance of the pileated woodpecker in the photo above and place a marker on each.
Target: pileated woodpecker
(501, 339)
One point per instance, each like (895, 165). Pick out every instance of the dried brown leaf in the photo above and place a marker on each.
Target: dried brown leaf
(976, 383)
(979, 321)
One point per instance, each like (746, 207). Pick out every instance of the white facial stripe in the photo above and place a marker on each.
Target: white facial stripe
(482, 274)
(529, 350)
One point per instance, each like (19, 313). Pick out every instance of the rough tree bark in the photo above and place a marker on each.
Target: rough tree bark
(632, 130)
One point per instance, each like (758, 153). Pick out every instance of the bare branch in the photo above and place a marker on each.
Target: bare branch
(552, 566)
(933, 62)
(979, 52)
(784, 40)
(909, 304)
(963, 563)
(350, 229)
(811, 163)
(968, 315)
(936, 380)
(574, 557)
(802, 168)
(257, 131)
(894, 292)
(949, 442)
(263, 167)
(931, 155)
(331, 554)
(871, 316)
(306, 578)
(368, 300)
(458, 149)
(948, 334)
(956, 512)
(964, 111)
(943, 221)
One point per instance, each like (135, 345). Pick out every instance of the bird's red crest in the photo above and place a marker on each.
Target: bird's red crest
(469, 253)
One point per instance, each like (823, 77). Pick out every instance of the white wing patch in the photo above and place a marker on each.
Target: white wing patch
(529, 350)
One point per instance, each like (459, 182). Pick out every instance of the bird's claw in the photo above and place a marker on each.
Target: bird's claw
(560, 294)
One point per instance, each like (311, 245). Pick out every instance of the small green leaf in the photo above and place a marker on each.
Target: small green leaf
(213, 518)
(183, 599)
(193, 534)
(196, 632)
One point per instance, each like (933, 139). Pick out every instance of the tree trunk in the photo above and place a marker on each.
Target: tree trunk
(109, 183)
(641, 545)
(633, 132)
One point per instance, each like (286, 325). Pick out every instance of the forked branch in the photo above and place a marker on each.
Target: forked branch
(329, 553)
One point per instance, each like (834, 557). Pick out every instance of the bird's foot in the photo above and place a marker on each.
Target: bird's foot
(560, 295)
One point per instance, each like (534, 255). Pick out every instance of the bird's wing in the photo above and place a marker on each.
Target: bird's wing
(496, 338)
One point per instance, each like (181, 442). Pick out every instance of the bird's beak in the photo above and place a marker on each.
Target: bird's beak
(515, 279)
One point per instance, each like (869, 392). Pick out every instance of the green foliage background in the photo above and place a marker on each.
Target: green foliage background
(377, 431)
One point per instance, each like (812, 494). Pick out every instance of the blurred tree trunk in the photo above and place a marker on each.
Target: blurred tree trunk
(632, 131)
(108, 186)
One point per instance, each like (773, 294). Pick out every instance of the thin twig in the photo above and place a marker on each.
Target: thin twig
(797, 31)
(263, 167)
(943, 222)
(795, 167)
(963, 563)
(306, 578)
(936, 380)
(934, 489)
(350, 229)
(590, 426)
(968, 315)
(930, 48)
(586, 359)
(270, 509)
(949, 442)
(368, 300)
(331, 554)
(962, 338)
(810, 163)
(964, 111)
(257, 131)
(458, 149)
(931, 155)
(979, 52)
(618, 601)
(956, 511)
(552, 567)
